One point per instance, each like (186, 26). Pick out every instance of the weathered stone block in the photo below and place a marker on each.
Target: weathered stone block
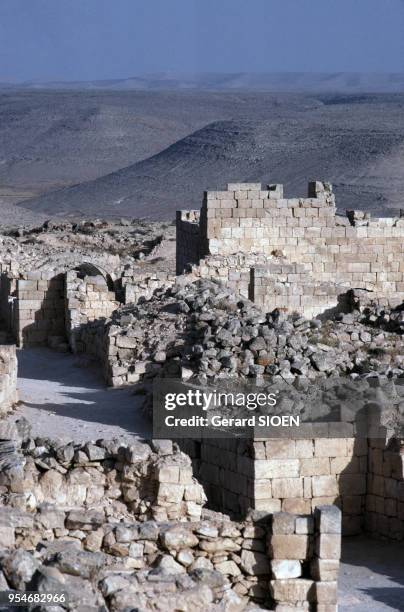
(326, 592)
(276, 468)
(325, 569)
(283, 523)
(328, 519)
(328, 546)
(283, 569)
(290, 547)
(293, 590)
(287, 487)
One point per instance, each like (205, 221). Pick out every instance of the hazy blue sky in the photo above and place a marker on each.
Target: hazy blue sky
(97, 39)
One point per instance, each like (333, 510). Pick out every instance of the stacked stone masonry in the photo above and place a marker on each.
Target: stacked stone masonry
(282, 561)
(385, 489)
(365, 478)
(353, 251)
(88, 299)
(138, 507)
(39, 308)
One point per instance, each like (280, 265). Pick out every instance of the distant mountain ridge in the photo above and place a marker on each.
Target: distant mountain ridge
(302, 82)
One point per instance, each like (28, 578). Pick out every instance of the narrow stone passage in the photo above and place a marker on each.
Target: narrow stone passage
(64, 396)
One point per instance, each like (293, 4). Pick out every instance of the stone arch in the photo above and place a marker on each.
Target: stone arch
(88, 268)
(90, 300)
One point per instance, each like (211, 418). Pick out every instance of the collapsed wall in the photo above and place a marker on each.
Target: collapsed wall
(100, 512)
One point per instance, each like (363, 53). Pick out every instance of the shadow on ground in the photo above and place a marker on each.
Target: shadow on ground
(64, 396)
(372, 575)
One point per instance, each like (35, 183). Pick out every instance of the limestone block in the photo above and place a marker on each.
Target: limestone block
(330, 447)
(328, 519)
(283, 523)
(7, 536)
(328, 546)
(304, 449)
(268, 505)
(168, 473)
(293, 590)
(283, 569)
(315, 466)
(325, 569)
(296, 505)
(170, 493)
(291, 546)
(287, 487)
(261, 489)
(326, 592)
(280, 449)
(254, 563)
(324, 486)
(304, 525)
(276, 468)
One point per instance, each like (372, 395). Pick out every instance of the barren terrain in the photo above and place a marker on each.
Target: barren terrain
(148, 153)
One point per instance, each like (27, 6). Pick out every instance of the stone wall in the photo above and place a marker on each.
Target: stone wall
(280, 285)
(153, 480)
(232, 270)
(139, 505)
(283, 475)
(188, 239)
(8, 287)
(8, 378)
(281, 560)
(39, 308)
(385, 489)
(354, 251)
(88, 299)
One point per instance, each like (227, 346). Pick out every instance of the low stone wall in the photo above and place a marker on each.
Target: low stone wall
(153, 480)
(281, 560)
(284, 475)
(8, 378)
(234, 271)
(385, 490)
(103, 511)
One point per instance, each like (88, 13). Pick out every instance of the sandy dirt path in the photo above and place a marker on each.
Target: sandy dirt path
(64, 396)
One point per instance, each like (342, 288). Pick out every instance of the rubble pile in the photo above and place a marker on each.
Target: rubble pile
(97, 561)
(205, 330)
(103, 524)
(147, 480)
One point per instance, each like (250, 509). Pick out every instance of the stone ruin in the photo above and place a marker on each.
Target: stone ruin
(295, 254)
(112, 525)
(264, 287)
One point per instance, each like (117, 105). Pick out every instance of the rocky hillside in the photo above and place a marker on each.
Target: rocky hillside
(148, 154)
